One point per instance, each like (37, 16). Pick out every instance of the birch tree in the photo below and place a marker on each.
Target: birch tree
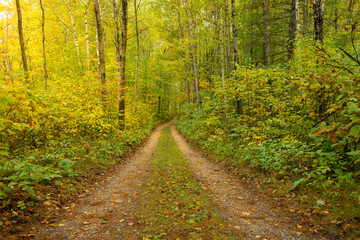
(74, 33)
(45, 74)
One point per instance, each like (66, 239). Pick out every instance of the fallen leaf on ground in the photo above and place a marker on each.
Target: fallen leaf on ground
(245, 213)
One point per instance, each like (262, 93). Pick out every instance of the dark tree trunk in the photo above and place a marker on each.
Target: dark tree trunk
(122, 80)
(266, 20)
(21, 40)
(239, 107)
(101, 47)
(318, 20)
(43, 43)
(136, 7)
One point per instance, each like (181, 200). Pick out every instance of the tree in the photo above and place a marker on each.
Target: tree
(101, 47)
(43, 43)
(239, 108)
(318, 20)
(122, 79)
(21, 40)
(136, 7)
(294, 27)
(266, 19)
(86, 4)
(74, 33)
(191, 30)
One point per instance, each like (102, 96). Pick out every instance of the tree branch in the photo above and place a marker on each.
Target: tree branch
(350, 56)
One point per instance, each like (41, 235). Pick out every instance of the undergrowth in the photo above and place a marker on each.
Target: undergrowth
(51, 142)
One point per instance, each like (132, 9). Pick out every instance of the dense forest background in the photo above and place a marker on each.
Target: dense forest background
(270, 84)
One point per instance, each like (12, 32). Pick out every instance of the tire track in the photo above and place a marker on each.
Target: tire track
(107, 211)
(247, 211)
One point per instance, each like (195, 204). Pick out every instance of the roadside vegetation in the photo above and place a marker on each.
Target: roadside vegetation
(53, 141)
(299, 131)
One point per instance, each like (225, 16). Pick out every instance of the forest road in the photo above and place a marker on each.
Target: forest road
(246, 211)
(107, 211)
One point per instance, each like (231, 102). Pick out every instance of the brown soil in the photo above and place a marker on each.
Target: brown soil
(247, 211)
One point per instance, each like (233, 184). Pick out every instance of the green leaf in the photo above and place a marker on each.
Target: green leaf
(339, 97)
(4, 153)
(355, 130)
(353, 153)
(30, 190)
(11, 184)
(65, 163)
(297, 182)
(338, 171)
(353, 108)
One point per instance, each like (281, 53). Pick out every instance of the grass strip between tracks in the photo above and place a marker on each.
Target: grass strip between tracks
(172, 203)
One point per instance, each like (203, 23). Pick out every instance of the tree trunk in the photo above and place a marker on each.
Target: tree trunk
(223, 72)
(122, 80)
(193, 54)
(266, 33)
(348, 22)
(21, 40)
(187, 84)
(43, 43)
(318, 20)
(117, 31)
(101, 47)
(87, 38)
(229, 59)
(293, 28)
(197, 85)
(8, 59)
(306, 17)
(74, 33)
(136, 7)
(239, 107)
(235, 33)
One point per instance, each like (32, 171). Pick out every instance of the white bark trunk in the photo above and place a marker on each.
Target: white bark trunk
(74, 33)
(43, 44)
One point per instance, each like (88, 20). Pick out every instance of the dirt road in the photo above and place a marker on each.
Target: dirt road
(107, 211)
